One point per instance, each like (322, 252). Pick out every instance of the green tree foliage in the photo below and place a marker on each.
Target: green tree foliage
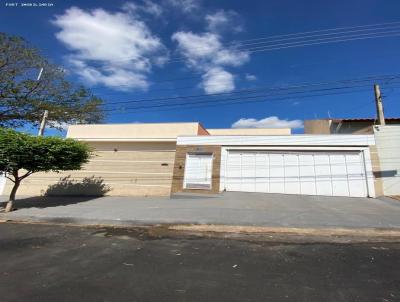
(22, 155)
(23, 98)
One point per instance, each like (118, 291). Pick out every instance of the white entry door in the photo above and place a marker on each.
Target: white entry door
(309, 173)
(198, 171)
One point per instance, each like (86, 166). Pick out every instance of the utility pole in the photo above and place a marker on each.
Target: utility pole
(45, 113)
(379, 105)
(43, 122)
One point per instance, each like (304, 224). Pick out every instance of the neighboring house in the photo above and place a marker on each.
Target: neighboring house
(388, 149)
(344, 126)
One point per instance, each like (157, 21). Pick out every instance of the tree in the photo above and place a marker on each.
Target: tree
(22, 155)
(23, 98)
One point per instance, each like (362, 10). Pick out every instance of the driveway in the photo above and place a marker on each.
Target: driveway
(230, 208)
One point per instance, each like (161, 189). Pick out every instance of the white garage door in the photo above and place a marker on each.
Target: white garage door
(310, 173)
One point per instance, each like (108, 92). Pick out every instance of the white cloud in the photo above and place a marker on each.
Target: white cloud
(147, 6)
(205, 53)
(187, 6)
(224, 20)
(217, 80)
(268, 122)
(112, 49)
(250, 77)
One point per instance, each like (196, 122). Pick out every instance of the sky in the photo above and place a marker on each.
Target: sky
(143, 56)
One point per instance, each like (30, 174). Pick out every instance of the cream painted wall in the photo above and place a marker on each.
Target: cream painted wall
(132, 131)
(388, 146)
(128, 169)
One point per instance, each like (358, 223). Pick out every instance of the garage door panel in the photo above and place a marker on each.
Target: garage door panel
(307, 174)
(339, 175)
(233, 172)
(292, 181)
(277, 173)
(248, 172)
(322, 174)
(356, 178)
(262, 173)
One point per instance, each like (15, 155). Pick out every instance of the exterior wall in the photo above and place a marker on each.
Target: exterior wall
(352, 127)
(376, 170)
(317, 127)
(250, 131)
(388, 146)
(327, 126)
(179, 168)
(132, 131)
(127, 169)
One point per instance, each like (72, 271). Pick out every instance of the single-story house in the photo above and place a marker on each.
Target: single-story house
(164, 158)
(130, 159)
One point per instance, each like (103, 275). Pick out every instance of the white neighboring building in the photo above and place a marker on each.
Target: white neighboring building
(388, 147)
(2, 183)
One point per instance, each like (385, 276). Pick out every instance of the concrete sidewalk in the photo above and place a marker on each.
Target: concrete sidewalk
(242, 209)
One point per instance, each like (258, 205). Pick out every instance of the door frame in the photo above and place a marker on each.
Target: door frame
(211, 170)
(365, 155)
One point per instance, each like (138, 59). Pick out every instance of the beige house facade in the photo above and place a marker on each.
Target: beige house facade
(129, 160)
(166, 158)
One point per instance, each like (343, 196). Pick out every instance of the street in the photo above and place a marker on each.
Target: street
(70, 263)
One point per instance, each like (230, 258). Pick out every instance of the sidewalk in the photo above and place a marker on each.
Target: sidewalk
(236, 209)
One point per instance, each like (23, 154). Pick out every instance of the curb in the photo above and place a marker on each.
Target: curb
(359, 232)
(251, 233)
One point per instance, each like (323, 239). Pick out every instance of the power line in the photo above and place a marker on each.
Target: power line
(295, 86)
(301, 35)
(265, 98)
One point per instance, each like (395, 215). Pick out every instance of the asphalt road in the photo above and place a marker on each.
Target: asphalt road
(57, 263)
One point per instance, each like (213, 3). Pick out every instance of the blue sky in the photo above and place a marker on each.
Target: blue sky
(139, 50)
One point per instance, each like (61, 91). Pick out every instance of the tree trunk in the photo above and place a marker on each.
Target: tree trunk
(11, 200)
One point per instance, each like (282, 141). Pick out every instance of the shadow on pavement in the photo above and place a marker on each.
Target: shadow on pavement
(48, 201)
(91, 186)
(65, 192)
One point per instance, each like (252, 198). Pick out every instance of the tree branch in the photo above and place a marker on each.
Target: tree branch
(9, 178)
(25, 175)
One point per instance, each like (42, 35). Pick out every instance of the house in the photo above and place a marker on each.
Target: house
(131, 159)
(165, 158)
(344, 126)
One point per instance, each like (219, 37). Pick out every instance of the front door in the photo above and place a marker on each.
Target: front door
(198, 171)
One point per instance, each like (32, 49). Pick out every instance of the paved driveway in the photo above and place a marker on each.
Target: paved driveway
(274, 210)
